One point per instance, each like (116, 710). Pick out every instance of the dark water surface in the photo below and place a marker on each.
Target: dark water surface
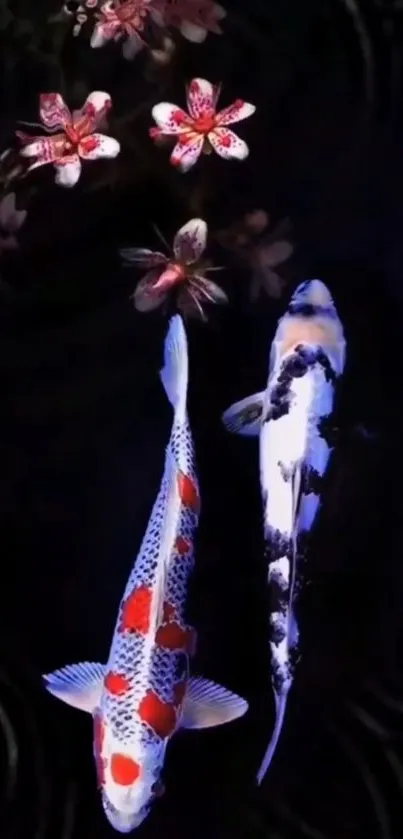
(84, 422)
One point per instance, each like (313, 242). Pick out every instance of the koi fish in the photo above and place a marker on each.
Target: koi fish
(144, 693)
(292, 418)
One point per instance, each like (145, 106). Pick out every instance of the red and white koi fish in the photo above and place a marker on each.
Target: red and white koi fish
(292, 418)
(144, 693)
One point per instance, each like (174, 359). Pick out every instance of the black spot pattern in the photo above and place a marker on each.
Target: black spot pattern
(286, 471)
(294, 367)
(278, 632)
(294, 658)
(278, 678)
(303, 542)
(277, 544)
(328, 430)
(312, 481)
(308, 310)
(316, 355)
(278, 598)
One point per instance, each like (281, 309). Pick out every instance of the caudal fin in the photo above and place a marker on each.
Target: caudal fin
(281, 704)
(174, 374)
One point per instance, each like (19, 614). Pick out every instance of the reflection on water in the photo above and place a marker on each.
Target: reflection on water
(34, 803)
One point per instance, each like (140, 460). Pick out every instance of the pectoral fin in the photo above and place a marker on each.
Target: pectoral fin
(244, 417)
(207, 704)
(79, 685)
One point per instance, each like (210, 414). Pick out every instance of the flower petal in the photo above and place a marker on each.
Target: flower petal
(95, 107)
(236, 112)
(11, 219)
(98, 145)
(145, 298)
(158, 14)
(132, 46)
(274, 253)
(8, 243)
(45, 150)
(192, 32)
(268, 281)
(208, 290)
(219, 11)
(169, 278)
(68, 171)
(256, 221)
(102, 33)
(188, 303)
(187, 151)
(190, 241)
(227, 144)
(201, 97)
(170, 119)
(16, 221)
(53, 111)
(143, 257)
(7, 209)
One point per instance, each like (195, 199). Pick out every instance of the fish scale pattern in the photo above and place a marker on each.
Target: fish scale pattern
(155, 668)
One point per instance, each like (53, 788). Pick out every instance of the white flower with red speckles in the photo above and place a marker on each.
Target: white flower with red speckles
(194, 18)
(202, 129)
(183, 271)
(124, 20)
(76, 138)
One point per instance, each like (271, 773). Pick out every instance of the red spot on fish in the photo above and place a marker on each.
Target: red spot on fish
(135, 615)
(188, 492)
(99, 733)
(182, 546)
(172, 636)
(169, 612)
(159, 715)
(179, 693)
(124, 769)
(99, 736)
(116, 683)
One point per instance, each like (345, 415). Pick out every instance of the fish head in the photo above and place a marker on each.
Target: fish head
(131, 783)
(312, 318)
(313, 293)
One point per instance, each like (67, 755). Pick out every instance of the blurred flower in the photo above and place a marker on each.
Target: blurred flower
(123, 20)
(194, 18)
(260, 250)
(203, 129)
(183, 271)
(163, 56)
(80, 12)
(76, 138)
(11, 167)
(11, 220)
(6, 17)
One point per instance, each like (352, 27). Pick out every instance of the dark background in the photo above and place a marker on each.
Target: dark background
(84, 422)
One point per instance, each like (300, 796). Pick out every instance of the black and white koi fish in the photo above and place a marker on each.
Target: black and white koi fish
(291, 417)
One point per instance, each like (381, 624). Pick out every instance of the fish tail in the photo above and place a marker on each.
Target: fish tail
(279, 517)
(281, 704)
(174, 373)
